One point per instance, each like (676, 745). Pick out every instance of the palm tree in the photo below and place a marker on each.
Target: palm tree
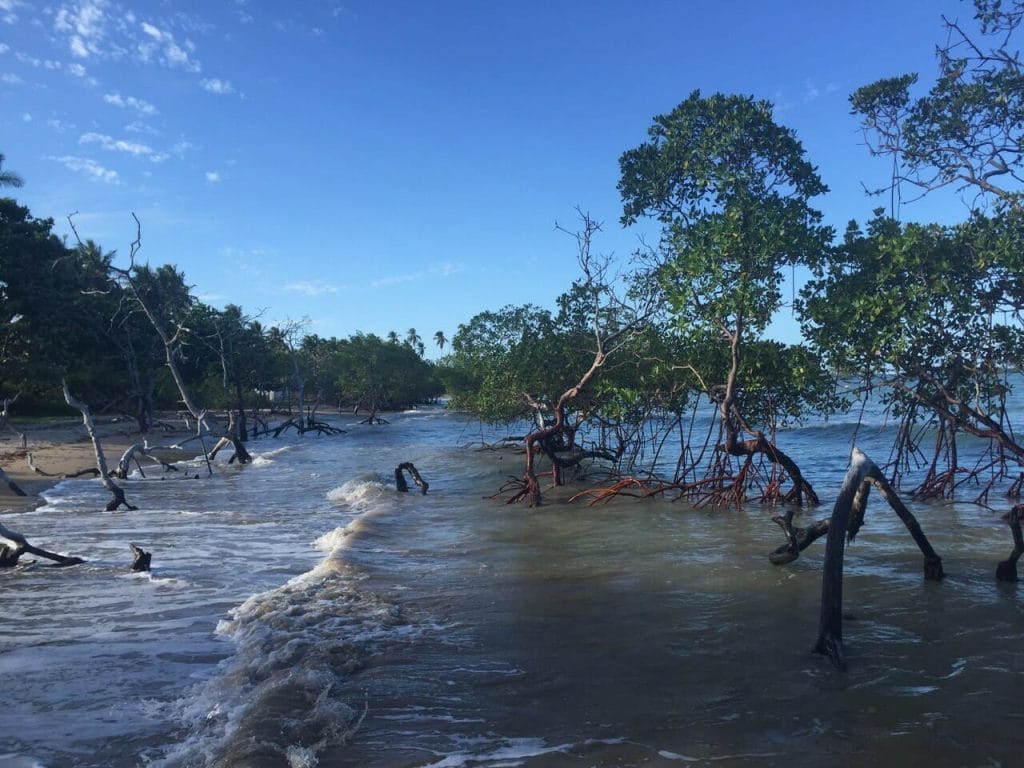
(414, 340)
(9, 178)
(440, 340)
(392, 337)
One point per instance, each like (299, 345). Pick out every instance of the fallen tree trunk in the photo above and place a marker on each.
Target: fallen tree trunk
(101, 460)
(14, 487)
(847, 517)
(13, 545)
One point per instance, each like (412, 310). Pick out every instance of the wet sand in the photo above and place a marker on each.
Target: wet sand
(61, 447)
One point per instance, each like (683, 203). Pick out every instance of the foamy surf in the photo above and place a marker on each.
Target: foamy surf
(277, 696)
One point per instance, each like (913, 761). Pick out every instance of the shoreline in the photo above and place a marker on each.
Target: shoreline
(60, 448)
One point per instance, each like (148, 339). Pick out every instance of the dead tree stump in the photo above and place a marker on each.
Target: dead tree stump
(400, 482)
(1007, 569)
(141, 558)
(847, 517)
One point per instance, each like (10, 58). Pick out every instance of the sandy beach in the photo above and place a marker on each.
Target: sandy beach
(62, 447)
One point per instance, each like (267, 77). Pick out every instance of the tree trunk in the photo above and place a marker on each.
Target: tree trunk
(13, 545)
(101, 461)
(846, 518)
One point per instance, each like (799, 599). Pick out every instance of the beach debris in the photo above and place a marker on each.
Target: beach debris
(13, 545)
(101, 461)
(15, 488)
(133, 453)
(1007, 569)
(402, 485)
(847, 518)
(142, 558)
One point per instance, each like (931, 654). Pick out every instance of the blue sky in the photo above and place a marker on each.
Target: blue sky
(376, 166)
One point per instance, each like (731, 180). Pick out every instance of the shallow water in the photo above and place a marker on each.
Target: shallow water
(301, 613)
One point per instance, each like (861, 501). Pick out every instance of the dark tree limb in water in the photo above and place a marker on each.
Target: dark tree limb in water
(15, 488)
(69, 475)
(1007, 569)
(141, 558)
(13, 545)
(402, 485)
(101, 460)
(846, 519)
(133, 453)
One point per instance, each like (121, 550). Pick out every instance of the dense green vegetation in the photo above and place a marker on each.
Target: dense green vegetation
(927, 316)
(70, 313)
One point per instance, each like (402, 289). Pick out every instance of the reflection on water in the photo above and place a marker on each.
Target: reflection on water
(301, 613)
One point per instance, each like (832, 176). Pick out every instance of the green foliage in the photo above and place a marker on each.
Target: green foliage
(381, 375)
(924, 304)
(967, 130)
(731, 189)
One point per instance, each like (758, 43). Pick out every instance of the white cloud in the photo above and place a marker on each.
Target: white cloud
(4, 47)
(86, 27)
(162, 47)
(10, 79)
(394, 280)
(58, 125)
(218, 86)
(130, 102)
(137, 126)
(89, 168)
(311, 288)
(212, 176)
(26, 117)
(76, 69)
(133, 148)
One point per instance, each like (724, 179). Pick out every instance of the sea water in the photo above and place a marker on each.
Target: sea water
(301, 612)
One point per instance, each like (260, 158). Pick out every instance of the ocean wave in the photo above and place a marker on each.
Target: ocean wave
(278, 695)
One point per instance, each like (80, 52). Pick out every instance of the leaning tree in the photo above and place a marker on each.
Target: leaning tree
(731, 190)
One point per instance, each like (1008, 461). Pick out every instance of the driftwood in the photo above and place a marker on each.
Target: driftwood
(68, 476)
(133, 453)
(1007, 569)
(847, 517)
(6, 425)
(13, 545)
(400, 482)
(101, 460)
(141, 558)
(14, 487)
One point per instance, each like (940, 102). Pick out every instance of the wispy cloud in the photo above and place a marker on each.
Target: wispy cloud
(218, 86)
(85, 25)
(395, 279)
(134, 148)
(213, 177)
(441, 269)
(89, 167)
(10, 78)
(159, 45)
(130, 102)
(7, 8)
(312, 288)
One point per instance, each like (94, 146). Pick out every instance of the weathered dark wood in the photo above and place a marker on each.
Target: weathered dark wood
(400, 483)
(14, 487)
(13, 545)
(847, 516)
(101, 460)
(1007, 569)
(141, 558)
